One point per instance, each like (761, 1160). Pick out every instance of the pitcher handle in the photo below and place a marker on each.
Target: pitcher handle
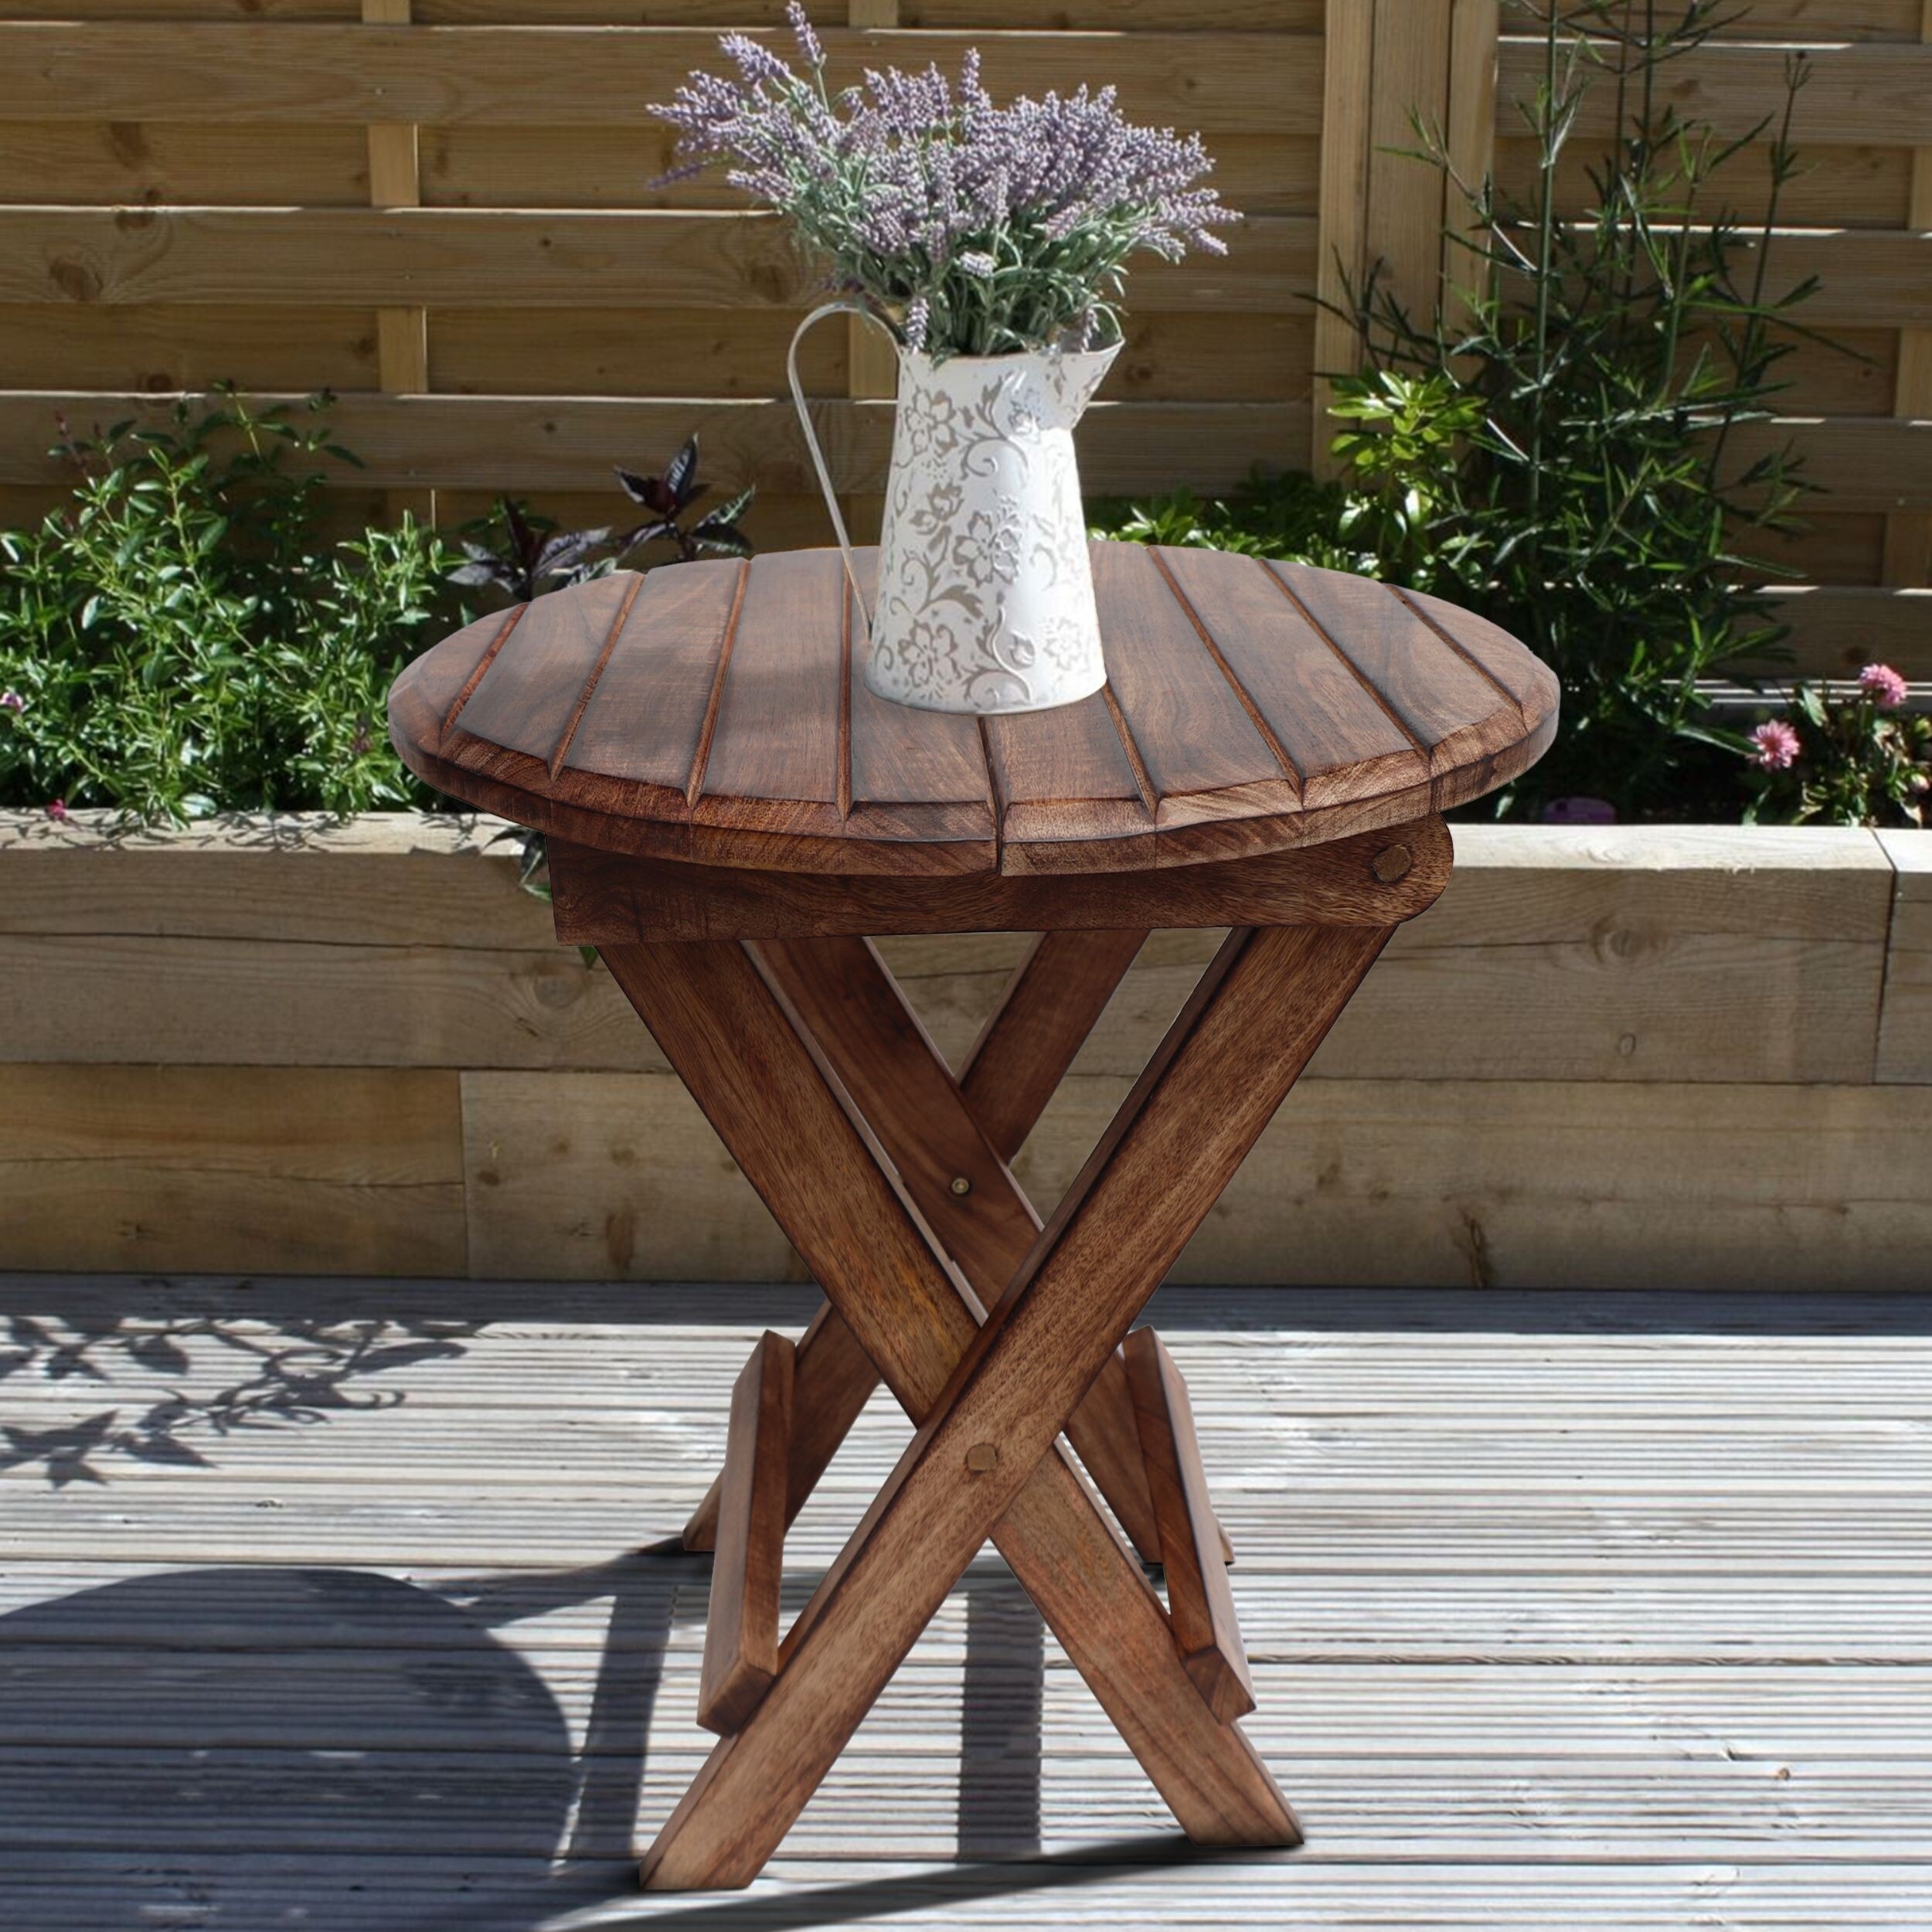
(811, 439)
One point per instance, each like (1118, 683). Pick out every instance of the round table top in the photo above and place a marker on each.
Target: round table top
(715, 712)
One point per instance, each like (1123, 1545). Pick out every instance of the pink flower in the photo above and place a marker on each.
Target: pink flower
(1776, 746)
(57, 810)
(12, 701)
(1882, 684)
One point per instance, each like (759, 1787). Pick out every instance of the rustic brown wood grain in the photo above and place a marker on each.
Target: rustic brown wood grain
(1199, 1602)
(741, 1628)
(1050, 1005)
(606, 898)
(1251, 710)
(1218, 1076)
(722, 1030)
(842, 1000)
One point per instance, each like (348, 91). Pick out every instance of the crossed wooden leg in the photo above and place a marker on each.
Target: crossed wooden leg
(949, 1143)
(755, 1041)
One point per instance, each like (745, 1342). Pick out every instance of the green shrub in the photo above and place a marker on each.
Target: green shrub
(1290, 515)
(1555, 446)
(181, 637)
(1847, 757)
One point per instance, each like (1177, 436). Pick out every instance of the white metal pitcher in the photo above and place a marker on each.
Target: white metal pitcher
(985, 600)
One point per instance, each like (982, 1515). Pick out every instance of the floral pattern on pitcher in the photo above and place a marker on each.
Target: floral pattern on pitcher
(985, 600)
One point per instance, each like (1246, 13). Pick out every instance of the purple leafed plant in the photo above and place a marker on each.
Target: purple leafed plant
(971, 228)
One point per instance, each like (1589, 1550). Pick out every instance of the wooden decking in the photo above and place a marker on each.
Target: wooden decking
(321, 1605)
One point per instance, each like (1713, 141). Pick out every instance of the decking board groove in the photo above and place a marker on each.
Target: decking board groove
(1592, 1611)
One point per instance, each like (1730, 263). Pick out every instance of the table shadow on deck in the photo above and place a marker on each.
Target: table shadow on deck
(321, 1605)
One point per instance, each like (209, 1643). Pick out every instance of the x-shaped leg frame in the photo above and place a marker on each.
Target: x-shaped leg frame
(827, 1094)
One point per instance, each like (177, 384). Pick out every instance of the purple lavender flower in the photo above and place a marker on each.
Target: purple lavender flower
(809, 50)
(911, 191)
(913, 328)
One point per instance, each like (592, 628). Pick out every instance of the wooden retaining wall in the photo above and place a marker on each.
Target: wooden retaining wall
(1693, 1057)
(439, 209)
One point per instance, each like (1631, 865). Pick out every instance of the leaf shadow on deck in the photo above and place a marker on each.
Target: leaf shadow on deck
(258, 1744)
(297, 1370)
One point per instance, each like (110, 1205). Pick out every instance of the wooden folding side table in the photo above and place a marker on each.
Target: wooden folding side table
(732, 817)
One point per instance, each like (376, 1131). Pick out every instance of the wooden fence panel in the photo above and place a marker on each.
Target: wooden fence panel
(442, 210)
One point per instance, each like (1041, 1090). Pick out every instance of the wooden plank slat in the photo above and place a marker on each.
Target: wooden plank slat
(1197, 743)
(741, 1632)
(1608, 1892)
(121, 164)
(1853, 93)
(1529, 684)
(570, 444)
(1333, 731)
(1075, 751)
(777, 760)
(1199, 1601)
(395, 181)
(644, 719)
(529, 694)
(1454, 712)
(1867, 463)
(552, 76)
(1908, 537)
(1469, 137)
(1405, 195)
(1425, 1183)
(519, 258)
(1836, 630)
(302, 1170)
(920, 772)
(490, 165)
(1347, 66)
(165, 347)
(1556, 1184)
(1864, 187)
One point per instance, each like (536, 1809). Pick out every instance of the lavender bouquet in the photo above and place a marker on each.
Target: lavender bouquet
(969, 228)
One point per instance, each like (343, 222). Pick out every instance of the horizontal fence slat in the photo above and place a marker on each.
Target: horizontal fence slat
(1866, 186)
(112, 162)
(562, 76)
(691, 257)
(1836, 630)
(524, 444)
(1863, 463)
(663, 258)
(1853, 94)
(569, 443)
(1867, 277)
